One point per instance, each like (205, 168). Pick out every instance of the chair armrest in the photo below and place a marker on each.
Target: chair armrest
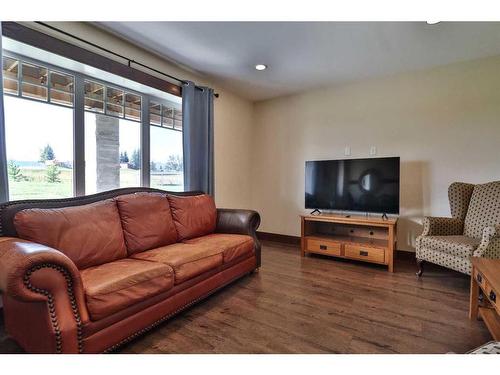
(34, 273)
(442, 226)
(489, 239)
(235, 221)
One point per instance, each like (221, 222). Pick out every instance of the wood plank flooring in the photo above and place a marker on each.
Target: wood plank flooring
(320, 305)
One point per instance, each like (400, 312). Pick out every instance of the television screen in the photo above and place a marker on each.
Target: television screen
(366, 185)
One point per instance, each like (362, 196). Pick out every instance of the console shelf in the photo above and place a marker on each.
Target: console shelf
(361, 238)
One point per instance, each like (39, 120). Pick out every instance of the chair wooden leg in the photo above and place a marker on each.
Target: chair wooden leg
(420, 264)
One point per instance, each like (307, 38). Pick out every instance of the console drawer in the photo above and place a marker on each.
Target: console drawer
(493, 297)
(369, 254)
(323, 247)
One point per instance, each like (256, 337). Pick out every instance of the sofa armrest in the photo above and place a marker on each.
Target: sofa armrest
(490, 243)
(30, 274)
(442, 226)
(235, 221)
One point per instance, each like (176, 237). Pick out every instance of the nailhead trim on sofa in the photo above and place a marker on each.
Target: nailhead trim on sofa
(51, 304)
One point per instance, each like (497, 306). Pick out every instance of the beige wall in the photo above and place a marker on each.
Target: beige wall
(233, 114)
(443, 123)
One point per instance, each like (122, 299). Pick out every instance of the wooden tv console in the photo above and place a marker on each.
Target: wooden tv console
(353, 237)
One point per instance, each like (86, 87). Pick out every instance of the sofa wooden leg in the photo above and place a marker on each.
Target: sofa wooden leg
(420, 264)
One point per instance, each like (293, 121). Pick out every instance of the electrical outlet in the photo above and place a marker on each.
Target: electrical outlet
(373, 150)
(347, 151)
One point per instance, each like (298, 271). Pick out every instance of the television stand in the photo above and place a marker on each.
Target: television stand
(360, 238)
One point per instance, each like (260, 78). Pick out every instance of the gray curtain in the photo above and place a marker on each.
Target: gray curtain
(198, 138)
(4, 196)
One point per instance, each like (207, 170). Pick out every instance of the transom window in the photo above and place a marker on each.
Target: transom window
(112, 101)
(165, 116)
(37, 82)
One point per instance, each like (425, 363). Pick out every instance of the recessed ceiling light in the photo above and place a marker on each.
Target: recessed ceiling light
(261, 67)
(432, 22)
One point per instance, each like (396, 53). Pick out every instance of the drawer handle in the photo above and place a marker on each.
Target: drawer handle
(363, 253)
(479, 278)
(493, 296)
(322, 247)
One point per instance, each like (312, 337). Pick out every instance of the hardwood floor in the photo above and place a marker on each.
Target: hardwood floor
(321, 305)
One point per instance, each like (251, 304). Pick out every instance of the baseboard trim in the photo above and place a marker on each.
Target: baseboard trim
(404, 254)
(281, 238)
(295, 240)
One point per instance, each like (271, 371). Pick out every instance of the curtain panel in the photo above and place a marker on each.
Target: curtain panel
(198, 138)
(4, 195)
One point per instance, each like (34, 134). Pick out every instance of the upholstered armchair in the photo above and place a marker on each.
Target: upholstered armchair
(472, 231)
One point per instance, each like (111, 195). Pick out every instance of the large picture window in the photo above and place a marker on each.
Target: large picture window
(166, 147)
(41, 115)
(112, 153)
(166, 159)
(39, 140)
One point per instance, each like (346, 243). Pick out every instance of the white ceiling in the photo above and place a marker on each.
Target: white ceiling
(305, 55)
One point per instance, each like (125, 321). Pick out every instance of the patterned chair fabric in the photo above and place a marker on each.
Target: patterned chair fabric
(484, 209)
(459, 194)
(492, 347)
(461, 246)
(473, 229)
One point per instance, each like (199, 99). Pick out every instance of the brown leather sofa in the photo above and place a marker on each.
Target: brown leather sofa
(87, 274)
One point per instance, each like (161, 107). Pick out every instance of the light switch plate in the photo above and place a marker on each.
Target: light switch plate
(347, 151)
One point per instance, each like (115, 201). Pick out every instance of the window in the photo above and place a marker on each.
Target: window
(39, 137)
(166, 166)
(166, 116)
(112, 153)
(112, 138)
(10, 76)
(112, 101)
(166, 159)
(41, 116)
(37, 82)
(61, 88)
(39, 140)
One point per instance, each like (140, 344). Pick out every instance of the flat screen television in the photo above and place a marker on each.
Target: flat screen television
(365, 185)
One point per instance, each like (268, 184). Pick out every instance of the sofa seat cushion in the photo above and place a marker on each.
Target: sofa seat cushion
(194, 216)
(187, 260)
(461, 246)
(113, 286)
(146, 220)
(89, 235)
(232, 245)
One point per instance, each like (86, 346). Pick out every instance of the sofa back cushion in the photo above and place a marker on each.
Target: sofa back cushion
(484, 209)
(146, 220)
(194, 216)
(89, 235)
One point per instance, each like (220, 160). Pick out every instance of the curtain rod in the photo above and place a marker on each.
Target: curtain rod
(129, 61)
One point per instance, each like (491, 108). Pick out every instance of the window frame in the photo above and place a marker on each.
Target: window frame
(79, 110)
